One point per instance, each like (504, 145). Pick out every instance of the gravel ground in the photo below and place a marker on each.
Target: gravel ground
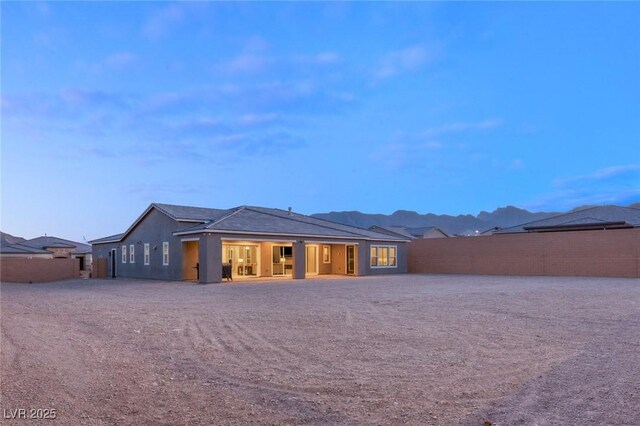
(416, 349)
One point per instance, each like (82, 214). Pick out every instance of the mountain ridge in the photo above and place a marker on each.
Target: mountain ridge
(463, 224)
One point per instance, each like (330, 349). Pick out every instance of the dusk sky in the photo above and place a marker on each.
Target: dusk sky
(434, 107)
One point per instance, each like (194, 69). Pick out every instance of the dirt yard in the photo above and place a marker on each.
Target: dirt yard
(416, 349)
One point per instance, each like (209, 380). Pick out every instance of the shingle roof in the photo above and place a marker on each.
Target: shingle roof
(20, 249)
(399, 231)
(255, 220)
(187, 213)
(55, 242)
(109, 239)
(251, 219)
(599, 215)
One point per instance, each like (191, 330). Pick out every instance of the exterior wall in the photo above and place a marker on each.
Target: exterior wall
(324, 268)
(338, 259)
(266, 259)
(401, 257)
(299, 265)
(610, 253)
(154, 228)
(38, 270)
(60, 252)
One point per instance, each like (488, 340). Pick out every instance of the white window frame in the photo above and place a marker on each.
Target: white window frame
(382, 255)
(326, 259)
(124, 254)
(165, 253)
(132, 254)
(147, 256)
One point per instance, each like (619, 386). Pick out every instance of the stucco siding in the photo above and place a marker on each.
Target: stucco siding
(155, 228)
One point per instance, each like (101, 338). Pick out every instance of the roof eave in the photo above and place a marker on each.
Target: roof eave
(219, 231)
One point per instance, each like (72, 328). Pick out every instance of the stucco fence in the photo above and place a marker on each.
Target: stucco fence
(605, 253)
(19, 270)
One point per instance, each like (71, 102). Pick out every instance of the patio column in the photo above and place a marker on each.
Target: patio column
(210, 259)
(362, 256)
(299, 261)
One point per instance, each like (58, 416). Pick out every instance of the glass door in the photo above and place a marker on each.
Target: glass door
(351, 260)
(282, 262)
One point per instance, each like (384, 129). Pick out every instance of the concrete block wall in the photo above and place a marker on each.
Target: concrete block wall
(20, 270)
(607, 253)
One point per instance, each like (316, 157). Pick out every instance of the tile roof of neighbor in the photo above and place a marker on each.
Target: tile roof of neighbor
(39, 245)
(20, 249)
(587, 216)
(400, 231)
(255, 220)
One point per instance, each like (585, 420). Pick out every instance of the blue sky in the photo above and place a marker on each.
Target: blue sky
(434, 107)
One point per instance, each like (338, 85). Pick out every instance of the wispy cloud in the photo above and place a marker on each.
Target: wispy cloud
(162, 21)
(406, 60)
(196, 124)
(461, 127)
(321, 59)
(245, 63)
(611, 185)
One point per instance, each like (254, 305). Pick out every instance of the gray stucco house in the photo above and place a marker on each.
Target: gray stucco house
(173, 242)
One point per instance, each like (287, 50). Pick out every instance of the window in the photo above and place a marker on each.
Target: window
(165, 253)
(326, 254)
(124, 254)
(383, 256)
(132, 257)
(146, 253)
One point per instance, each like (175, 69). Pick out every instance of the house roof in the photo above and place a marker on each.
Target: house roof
(39, 245)
(109, 239)
(262, 220)
(188, 214)
(598, 217)
(20, 249)
(399, 231)
(411, 233)
(254, 220)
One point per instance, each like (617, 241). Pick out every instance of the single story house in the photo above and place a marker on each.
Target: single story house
(585, 219)
(173, 242)
(411, 233)
(48, 247)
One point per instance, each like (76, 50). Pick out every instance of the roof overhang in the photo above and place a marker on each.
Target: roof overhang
(284, 236)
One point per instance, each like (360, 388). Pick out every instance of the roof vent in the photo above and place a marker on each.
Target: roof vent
(289, 210)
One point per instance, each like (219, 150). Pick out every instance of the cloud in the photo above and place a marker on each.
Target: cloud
(118, 61)
(319, 59)
(611, 185)
(406, 60)
(403, 154)
(162, 21)
(461, 127)
(244, 64)
(257, 119)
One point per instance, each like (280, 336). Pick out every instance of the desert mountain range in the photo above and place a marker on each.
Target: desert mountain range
(468, 224)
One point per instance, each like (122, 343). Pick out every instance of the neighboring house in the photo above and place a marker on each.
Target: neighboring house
(411, 233)
(489, 231)
(173, 242)
(590, 218)
(47, 247)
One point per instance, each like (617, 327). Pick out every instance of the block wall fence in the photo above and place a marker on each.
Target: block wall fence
(602, 253)
(20, 270)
